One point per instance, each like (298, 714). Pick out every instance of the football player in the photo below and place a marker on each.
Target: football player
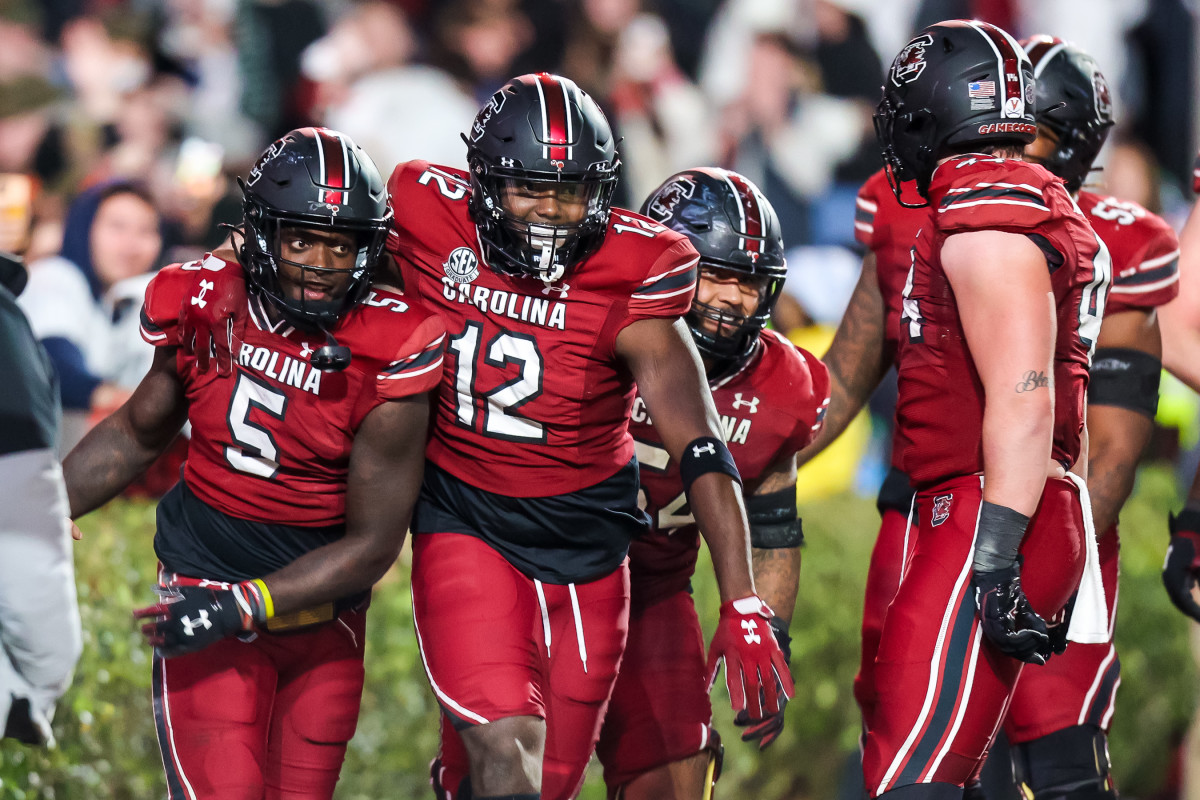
(657, 740)
(991, 407)
(555, 303)
(1059, 715)
(303, 468)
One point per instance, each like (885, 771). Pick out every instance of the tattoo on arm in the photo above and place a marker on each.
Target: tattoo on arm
(1032, 381)
(856, 359)
(126, 443)
(777, 578)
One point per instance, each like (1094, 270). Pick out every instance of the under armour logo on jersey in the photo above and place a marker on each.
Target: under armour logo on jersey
(306, 350)
(738, 402)
(561, 291)
(189, 625)
(697, 450)
(750, 626)
(205, 288)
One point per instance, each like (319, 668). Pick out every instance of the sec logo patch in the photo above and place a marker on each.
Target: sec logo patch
(462, 266)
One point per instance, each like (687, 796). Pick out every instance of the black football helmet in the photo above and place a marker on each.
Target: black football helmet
(957, 85)
(312, 178)
(733, 227)
(537, 130)
(1073, 102)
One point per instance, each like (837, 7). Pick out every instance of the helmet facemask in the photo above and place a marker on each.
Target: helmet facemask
(906, 140)
(546, 250)
(261, 254)
(735, 333)
(1074, 151)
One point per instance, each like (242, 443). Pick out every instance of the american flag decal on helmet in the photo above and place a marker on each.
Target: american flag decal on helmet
(556, 117)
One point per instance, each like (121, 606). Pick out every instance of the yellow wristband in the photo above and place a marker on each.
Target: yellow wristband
(268, 603)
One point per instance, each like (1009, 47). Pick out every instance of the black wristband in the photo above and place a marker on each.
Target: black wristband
(998, 537)
(774, 522)
(706, 454)
(1125, 378)
(780, 628)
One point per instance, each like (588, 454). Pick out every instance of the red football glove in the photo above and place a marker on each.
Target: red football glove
(212, 321)
(753, 661)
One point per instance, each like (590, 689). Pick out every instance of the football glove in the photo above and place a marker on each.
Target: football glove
(1008, 621)
(1182, 565)
(754, 663)
(1058, 626)
(189, 618)
(767, 730)
(212, 321)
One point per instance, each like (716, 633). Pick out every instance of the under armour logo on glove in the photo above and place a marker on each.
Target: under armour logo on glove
(697, 450)
(205, 288)
(190, 625)
(189, 618)
(756, 671)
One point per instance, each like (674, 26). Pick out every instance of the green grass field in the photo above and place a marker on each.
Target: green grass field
(107, 751)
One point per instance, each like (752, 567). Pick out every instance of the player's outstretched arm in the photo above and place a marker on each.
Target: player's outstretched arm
(1122, 399)
(1012, 345)
(775, 540)
(856, 359)
(122, 446)
(663, 359)
(386, 466)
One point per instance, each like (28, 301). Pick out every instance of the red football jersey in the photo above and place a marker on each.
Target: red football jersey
(770, 408)
(889, 230)
(272, 444)
(939, 414)
(535, 401)
(1144, 250)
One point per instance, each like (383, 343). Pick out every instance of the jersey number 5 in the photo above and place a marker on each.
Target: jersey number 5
(254, 450)
(500, 403)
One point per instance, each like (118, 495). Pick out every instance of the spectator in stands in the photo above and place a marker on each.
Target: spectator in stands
(83, 304)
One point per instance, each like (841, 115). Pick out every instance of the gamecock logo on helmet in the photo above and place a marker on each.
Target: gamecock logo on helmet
(1103, 98)
(664, 203)
(909, 65)
(485, 114)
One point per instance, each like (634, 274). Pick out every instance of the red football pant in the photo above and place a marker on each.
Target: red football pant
(1078, 687)
(268, 718)
(942, 689)
(896, 537)
(499, 644)
(660, 711)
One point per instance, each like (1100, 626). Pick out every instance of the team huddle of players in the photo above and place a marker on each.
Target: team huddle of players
(559, 398)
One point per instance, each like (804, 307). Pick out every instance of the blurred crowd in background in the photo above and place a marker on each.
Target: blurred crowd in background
(124, 123)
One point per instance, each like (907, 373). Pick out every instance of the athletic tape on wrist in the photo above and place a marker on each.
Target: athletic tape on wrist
(998, 537)
(703, 455)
